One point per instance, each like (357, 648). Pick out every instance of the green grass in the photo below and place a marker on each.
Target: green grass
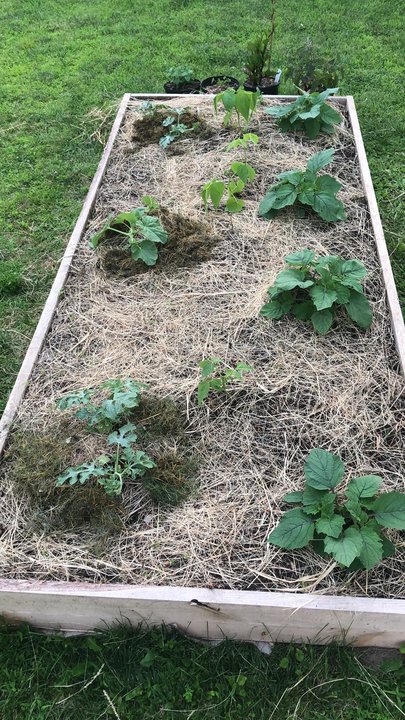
(58, 60)
(134, 675)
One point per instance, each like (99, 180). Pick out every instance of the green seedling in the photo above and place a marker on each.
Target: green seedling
(243, 142)
(122, 397)
(214, 190)
(176, 128)
(306, 187)
(309, 113)
(350, 530)
(242, 102)
(142, 232)
(312, 289)
(213, 379)
(180, 75)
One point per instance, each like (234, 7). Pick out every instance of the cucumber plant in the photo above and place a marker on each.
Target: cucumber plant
(241, 102)
(312, 289)
(214, 190)
(140, 230)
(306, 187)
(110, 471)
(309, 113)
(350, 530)
(215, 379)
(175, 128)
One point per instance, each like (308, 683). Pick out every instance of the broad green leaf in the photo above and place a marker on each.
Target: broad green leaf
(329, 115)
(267, 203)
(303, 310)
(311, 496)
(279, 111)
(325, 94)
(272, 310)
(293, 497)
(342, 293)
(286, 194)
(244, 103)
(216, 190)
(209, 366)
(203, 390)
(145, 250)
(326, 205)
(327, 504)
(244, 171)
(364, 486)
(312, 127)
(294, 177)
(353, 269)
(151, 229)
(389, 510)
(312, 113)
(234, 205)
(330, 526)
(320, 160)
(326, 128)
(356, 511)
(290, 279)
(345, 548)
(323, 470)
(322, 321)
(301, 257)
(372, 550)
(322, 297)
(124, 437)
(295, 530)
(358, 308)
(328, 184)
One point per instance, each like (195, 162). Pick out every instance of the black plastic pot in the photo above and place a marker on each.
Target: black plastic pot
(222, 82)
(194, 86)
(264, 89)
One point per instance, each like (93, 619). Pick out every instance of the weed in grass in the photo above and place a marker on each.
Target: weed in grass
(11, 280)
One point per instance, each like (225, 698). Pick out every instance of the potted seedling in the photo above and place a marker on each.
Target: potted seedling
(258, 64)
(219, 83)
(312, 71)
(181, 80)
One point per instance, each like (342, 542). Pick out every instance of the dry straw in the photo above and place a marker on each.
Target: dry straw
(341, 392)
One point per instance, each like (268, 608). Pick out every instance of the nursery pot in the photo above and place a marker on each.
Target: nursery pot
(267, 85)
(194, 86)
(218, 83)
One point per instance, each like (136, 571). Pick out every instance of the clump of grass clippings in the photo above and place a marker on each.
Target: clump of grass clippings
(159, 417)
(173, 478)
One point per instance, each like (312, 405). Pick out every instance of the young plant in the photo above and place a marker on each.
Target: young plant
(110, 471)
(240, 101)
(351, 531)
(141, 231)
(122, 397)
(180, 75)
(311, 70)
(213, 379)
(306, 187)
(243, 142)
(214, 190)
(313, 289)
(176, 128)
(309, 112)
(259, 52)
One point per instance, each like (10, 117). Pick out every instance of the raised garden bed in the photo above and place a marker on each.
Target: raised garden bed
(209, 556)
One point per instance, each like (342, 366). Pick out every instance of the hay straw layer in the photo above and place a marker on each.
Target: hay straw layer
(342, 392)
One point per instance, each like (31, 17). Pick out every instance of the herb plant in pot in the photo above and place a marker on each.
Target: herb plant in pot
(311, 70)
(258, 64)
(181, 80)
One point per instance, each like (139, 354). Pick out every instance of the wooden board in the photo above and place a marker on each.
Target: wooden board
(209, 614)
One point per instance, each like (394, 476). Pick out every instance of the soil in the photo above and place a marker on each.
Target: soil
(191, 87)
(190, 242)
(149, 128)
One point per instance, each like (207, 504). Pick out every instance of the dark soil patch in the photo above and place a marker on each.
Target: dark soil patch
(173, 478)
(37, 460)
(190, 243)
(159, 417)
(149, 129)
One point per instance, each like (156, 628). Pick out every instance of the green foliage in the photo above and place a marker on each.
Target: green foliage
(350, 531)
(122, 397)
(243, 142)
(306, 187)
(213, 378)
(142, 232)
(309, 113)
(176, 129)
(311, 70)
(312, 289)
(240, 101)
(111, 471)
(180, 75)
(259, 52)
(11, 280)
(214, 190)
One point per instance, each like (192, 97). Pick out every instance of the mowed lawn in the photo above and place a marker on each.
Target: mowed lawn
(58, 60)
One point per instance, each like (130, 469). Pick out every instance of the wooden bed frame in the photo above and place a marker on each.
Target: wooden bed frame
(200, 612)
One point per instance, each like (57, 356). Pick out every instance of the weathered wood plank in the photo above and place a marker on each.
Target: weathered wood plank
(208, 614)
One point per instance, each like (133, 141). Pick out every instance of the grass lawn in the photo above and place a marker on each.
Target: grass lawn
(59, 60)
(136, 675)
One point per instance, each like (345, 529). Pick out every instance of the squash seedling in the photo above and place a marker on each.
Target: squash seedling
(313, 289)
(212, 379)
(309, 113)
(350, 531)
(141, 231)
(306, 187)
